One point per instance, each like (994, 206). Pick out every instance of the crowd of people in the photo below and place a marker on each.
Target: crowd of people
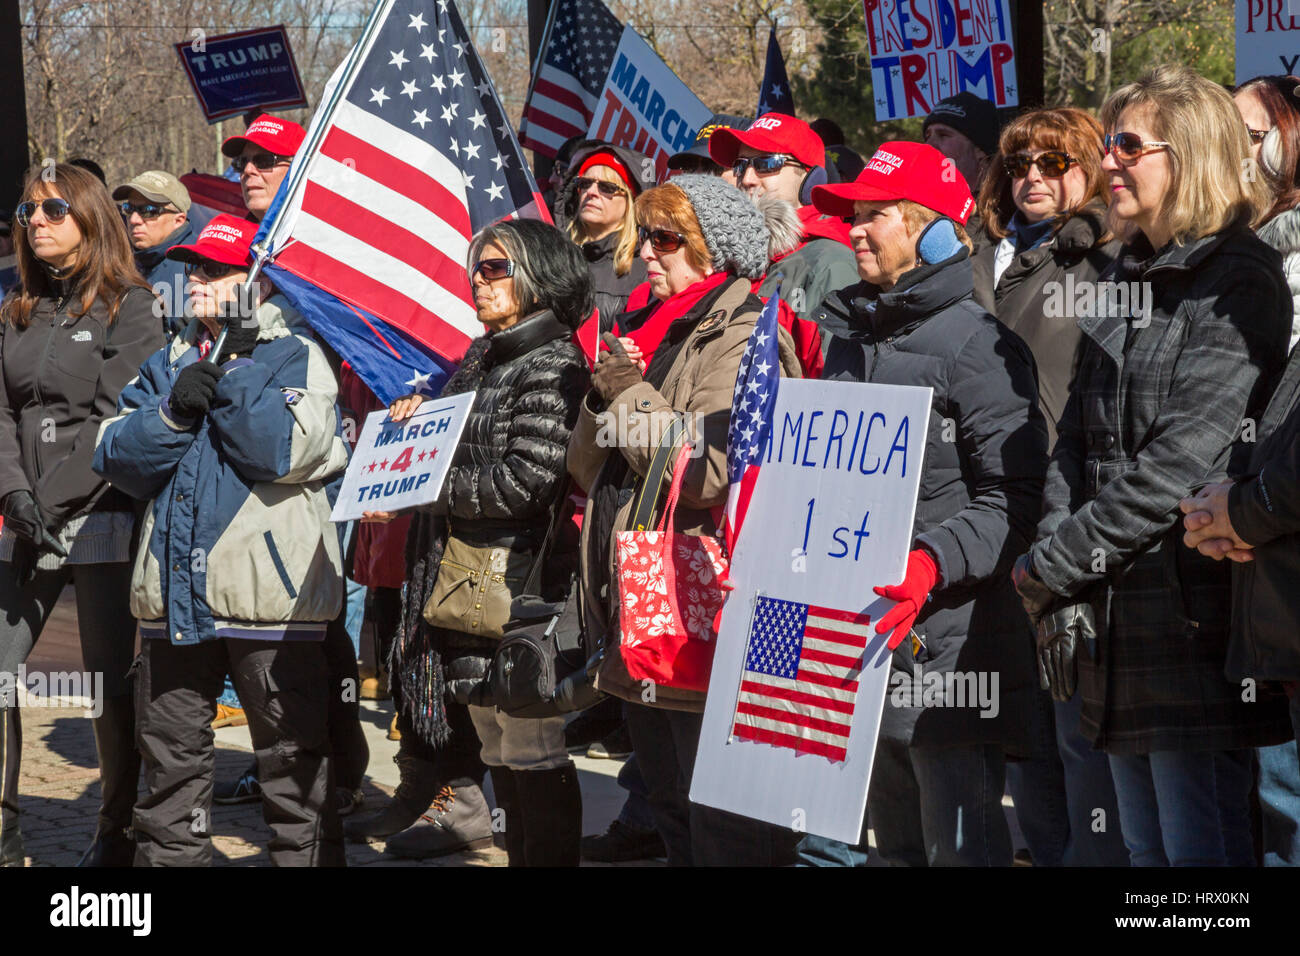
(1104, 308)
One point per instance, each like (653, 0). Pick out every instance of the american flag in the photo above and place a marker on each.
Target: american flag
(579, 52)
(752, 405)
(775, 95)
(415, 157)
(800, 683)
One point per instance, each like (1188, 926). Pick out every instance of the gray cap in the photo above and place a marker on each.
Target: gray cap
(157, 186)
(734, 230)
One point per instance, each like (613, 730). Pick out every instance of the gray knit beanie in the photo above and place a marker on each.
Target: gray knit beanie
(733, 228)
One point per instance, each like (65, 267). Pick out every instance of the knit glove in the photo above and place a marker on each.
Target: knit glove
(195, 386)
(241, 337)
(615, 373)
(911, 595)
(1062, 632)
(1036, 596)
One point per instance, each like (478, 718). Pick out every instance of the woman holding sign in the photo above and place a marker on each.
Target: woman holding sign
(703, 243)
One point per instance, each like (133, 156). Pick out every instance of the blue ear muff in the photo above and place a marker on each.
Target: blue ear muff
(814, 177)
(938, 242)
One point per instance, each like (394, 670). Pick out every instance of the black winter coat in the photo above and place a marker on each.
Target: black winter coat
(67, 371)
(1157, 403)
(980, 491)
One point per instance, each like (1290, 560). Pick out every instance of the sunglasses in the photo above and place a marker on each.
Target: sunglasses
(210, 269)
(149, 210)
(55, 210)
(491, 269)
(763, 165)
(1256, 135)
(661, 241)
(607, 189)
(262, 161)
(1052, 163)
(1129, 148)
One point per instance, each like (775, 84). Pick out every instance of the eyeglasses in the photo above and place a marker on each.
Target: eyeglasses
(607, 189)
(149, 210)
(491, 269)
(763, 165)
(1052, 163)
(1257, 135)
(209, 269)
(55, 210)
(661, 241)
(1129, 148)
(262, 161)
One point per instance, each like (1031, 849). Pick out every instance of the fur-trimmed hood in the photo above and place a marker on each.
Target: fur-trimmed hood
(1282, 232)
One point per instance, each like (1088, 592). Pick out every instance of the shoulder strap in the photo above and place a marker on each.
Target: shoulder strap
(648, 495)
(533, 584)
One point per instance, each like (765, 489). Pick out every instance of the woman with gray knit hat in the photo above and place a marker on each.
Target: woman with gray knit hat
(703, 244)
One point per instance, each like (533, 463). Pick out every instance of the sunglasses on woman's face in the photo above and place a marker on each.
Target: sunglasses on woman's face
(208, 269)
(1052, 163)
(1256, 135)
(763, 165)
(53, 208)
(149, 210)
(607, 189)
(493, 269)
(661, 241)
(1129, 148)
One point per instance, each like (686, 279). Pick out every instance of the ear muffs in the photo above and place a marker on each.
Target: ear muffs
(1270, 152)
(938, 242)
(816, 176)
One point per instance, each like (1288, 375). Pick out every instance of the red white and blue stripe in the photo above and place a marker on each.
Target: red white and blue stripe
(752, 407)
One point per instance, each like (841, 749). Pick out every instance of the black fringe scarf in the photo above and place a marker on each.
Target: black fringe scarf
(417, 658)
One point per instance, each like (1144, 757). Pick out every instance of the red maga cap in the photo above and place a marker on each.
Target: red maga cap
(770, 133)
(901, 170)
(279, 136)
(225, 239)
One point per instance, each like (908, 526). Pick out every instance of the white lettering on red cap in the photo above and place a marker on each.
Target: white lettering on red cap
(964, 207)
(767, 122)
(222, 232)
(266, 125)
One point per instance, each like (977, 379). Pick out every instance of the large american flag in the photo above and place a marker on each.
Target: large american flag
(752, 405)
(579, 52)
(800, 683)
(416, 156)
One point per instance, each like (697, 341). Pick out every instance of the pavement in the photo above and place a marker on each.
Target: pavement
(59, 782)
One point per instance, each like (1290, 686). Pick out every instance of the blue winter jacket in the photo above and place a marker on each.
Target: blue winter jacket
(236, 540)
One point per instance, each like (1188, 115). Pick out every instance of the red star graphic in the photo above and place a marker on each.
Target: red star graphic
(383, 464)
(372, 467)
(420, 456)
(433, 454)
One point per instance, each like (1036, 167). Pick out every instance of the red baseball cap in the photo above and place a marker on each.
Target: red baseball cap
(770, 133)
(279, 136)
(901, 170)
(225, 239)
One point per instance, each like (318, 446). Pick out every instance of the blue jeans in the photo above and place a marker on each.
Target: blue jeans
(932, 806)
(1037, 788)
(1279, 797)
(1180, 808)
(1095, 837)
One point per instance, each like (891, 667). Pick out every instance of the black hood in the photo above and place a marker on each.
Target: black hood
(918, 294)
(638, 165)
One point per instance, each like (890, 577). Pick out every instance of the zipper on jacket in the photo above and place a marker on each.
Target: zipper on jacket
(40, 371)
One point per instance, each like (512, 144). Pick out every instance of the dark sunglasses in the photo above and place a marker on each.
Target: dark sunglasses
(661, 241)
(149, 210)
(210, 269)
(1129, 148)
(1052, 163)
(54, 209)
(1256, 135)
(607, 189)
(491, 269)
(763, 165)
(263, 161)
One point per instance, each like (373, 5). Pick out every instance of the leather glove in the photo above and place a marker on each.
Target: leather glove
(1036, 596)
(1060, 639)
(615, 373)
(23, 517)
(241, 337)
(191, 396)
(911, 595)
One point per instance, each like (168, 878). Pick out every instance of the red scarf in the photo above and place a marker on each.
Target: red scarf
(671, 309)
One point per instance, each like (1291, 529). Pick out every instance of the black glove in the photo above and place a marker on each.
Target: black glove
(195, 386)
(615, 373)
(241, 337)
(1061, 635)
(1034, 594)
(23, 517)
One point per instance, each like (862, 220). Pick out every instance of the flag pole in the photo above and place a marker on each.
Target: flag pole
(541, 55)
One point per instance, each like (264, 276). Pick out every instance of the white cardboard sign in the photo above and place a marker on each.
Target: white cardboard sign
(402, 464)
(831, 517)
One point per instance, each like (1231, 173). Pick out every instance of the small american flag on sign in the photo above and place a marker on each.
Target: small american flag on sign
(800, 684)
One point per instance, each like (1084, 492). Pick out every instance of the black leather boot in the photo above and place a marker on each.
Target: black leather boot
(414, 794)
(119, 779)
(506, 790)
(552, 807)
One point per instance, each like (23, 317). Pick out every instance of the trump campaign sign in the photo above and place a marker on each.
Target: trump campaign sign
(645, 106)
(1268, 38)
(402, 464)
(800, 676)
(237, 72)
(923, 51)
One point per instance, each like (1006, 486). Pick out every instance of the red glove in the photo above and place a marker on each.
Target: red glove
(911, 595)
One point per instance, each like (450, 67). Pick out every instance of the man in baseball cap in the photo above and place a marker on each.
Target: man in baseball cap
(261, 157)
(155, 206)
(778, 156)
(697, 158)
(964, 128)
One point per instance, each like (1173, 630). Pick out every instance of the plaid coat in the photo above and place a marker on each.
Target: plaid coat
(1156, 405)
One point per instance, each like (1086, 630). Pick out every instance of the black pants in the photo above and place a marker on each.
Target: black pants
(284, 688)
(107, 632)
(347, 739)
